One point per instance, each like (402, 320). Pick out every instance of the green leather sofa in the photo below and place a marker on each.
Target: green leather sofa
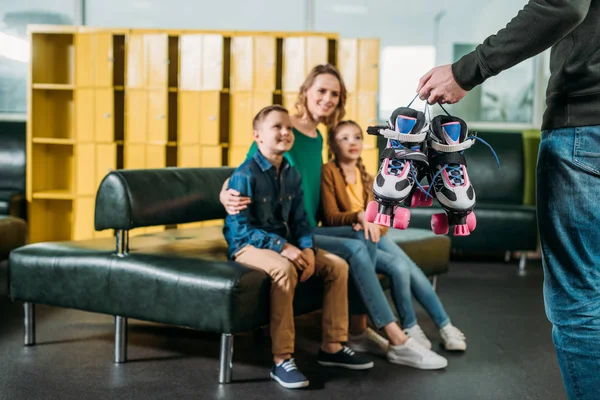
(504, 221)
(179, 276)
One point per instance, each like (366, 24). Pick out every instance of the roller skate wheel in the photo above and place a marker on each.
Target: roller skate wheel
(371, 211)
(439, 224)
(471, 221)
(420, 199)
(382, 219)
(461, 230)
(401, 218)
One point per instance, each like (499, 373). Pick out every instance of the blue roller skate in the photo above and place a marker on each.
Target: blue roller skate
(403, 164)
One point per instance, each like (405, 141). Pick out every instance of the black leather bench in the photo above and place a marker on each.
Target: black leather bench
(179, 276)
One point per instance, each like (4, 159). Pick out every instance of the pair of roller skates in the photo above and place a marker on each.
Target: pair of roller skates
(417, 149)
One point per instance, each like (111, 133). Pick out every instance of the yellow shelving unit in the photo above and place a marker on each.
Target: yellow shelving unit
(358, 62)
(102, 99)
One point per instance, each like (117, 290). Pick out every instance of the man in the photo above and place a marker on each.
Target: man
(568, 170)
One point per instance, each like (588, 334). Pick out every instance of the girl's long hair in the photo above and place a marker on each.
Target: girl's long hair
(334, 152)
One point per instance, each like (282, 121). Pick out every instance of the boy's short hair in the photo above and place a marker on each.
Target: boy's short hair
(262, 114)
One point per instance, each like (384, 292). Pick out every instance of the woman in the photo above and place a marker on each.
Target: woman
(322, 99)
(345, 192)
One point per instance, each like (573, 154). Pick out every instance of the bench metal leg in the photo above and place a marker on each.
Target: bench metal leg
(226, 366)
(120, 339)
(434, 280)
(522, 263)
(29, 320)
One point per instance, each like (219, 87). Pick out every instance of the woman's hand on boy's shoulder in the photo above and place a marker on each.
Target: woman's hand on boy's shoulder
(233, 202)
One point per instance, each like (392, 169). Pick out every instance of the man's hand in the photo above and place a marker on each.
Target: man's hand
(439, 85)
(296, 256)
(309, 255)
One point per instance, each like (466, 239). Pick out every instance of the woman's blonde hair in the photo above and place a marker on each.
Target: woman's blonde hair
(334, 152)
(340, 110)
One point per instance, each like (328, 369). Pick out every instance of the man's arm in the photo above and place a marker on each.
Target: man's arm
(300, 227)
(244, 232)
(538, 26)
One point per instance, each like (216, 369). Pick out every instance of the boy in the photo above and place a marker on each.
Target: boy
(273, 234)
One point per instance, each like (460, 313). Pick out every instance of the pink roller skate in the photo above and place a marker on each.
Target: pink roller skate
(403, 163)
(448, 175)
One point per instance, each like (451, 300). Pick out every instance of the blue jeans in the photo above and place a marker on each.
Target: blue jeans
(568, 187)
(343, 241)
(408, 279)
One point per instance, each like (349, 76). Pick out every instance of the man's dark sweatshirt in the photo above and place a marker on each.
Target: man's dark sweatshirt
(572, 28)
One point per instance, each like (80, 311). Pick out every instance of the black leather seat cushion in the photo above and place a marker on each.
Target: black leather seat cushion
(178, 277)
(13, 234)
(171, 277)
(500, 227)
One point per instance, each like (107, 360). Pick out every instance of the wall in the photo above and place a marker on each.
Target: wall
(278, 15)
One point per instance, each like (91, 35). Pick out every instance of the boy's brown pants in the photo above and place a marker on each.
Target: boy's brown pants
(284, 278)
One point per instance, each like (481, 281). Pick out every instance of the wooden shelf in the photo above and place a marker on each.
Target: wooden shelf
(54, 195)
(52, 86)
(65, 142)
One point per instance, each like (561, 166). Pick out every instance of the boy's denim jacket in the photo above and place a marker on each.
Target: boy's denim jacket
(262, 224)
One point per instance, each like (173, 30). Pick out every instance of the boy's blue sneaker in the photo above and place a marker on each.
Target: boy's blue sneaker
(288, 376)
(345, 358)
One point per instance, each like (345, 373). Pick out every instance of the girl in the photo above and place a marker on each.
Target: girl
(345, 192)
(322, 99)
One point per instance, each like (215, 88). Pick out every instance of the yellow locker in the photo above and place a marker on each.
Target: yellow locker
(212, 62)
(103, 59)
(210, 103)
(265, 60)
(52, 169)
(347, 62)
(84, 115)
(53, 220)
(85, 164)
(351, 108)
(294, 64)
(259, 101)
(53, 113)
(156, 156)
(199, 120)
(253, 63)
(136, 64)
(300, 55)
(210, 156)
(201, 62)
(316, 52)
(84, 56)
(104, 115)
(190, 62)
(188, 156)
(136, 117)
(368, 65)
(83, 218)
(242, 63)
(134, 156)
(189, 117)
(240, 126)
(156, 47)
(237, 155)
(158, 128)
(106, 161)
(367, 114)
(370, 159)
(289, 101)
